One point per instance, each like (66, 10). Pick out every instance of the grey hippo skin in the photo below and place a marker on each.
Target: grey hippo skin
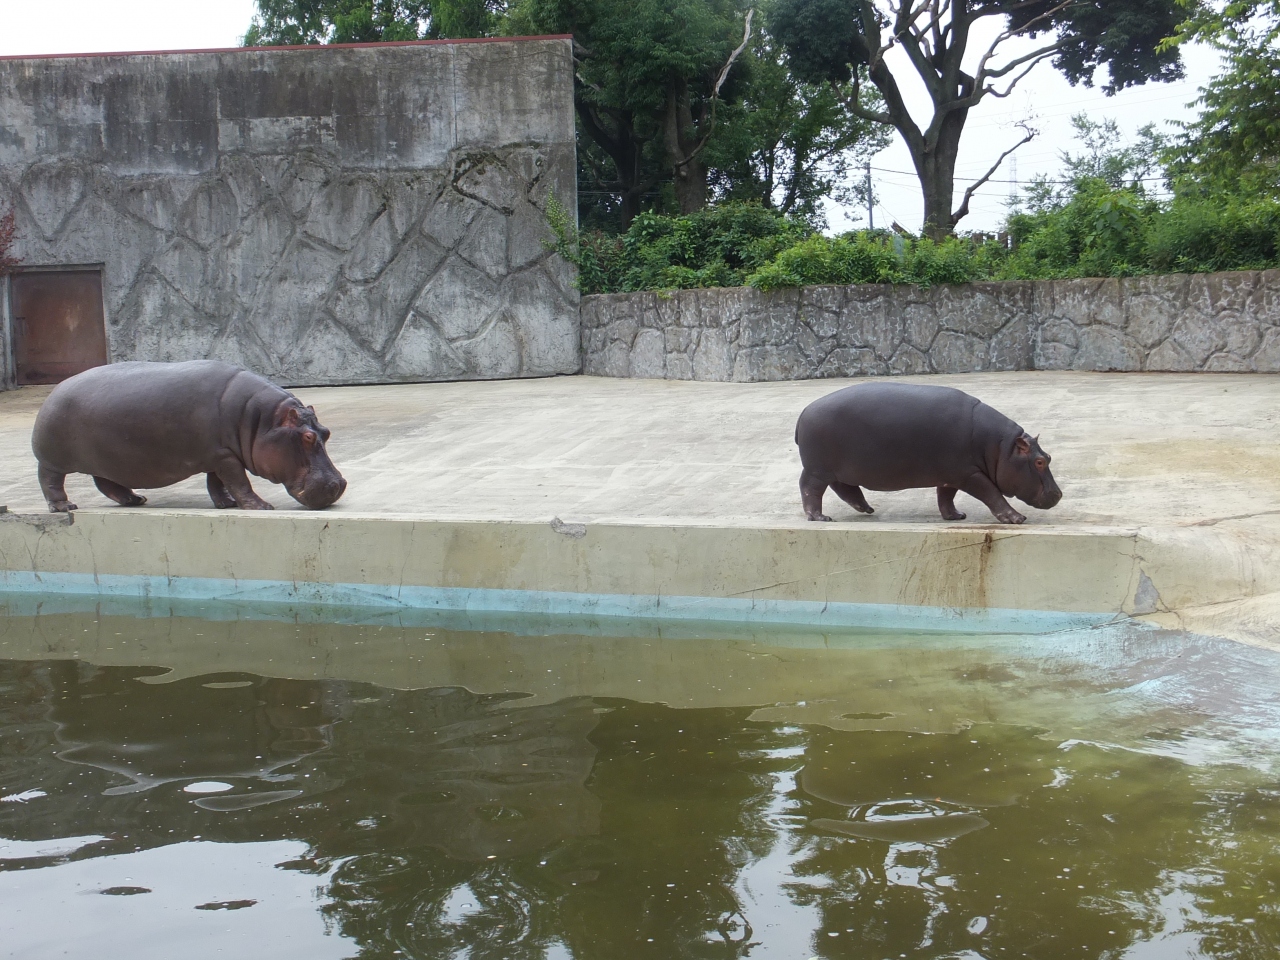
(138, 424)
(892, 436)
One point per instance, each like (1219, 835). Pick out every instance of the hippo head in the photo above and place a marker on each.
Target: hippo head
(291, 452)
(1024, 473)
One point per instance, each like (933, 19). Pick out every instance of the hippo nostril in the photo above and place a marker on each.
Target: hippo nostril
(334, 488)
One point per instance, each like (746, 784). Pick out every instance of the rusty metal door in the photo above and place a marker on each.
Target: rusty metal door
(58, 328)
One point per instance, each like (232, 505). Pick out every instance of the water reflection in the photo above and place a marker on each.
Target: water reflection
(446, 823)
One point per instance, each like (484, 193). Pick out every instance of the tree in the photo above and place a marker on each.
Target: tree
(789, 145)
(1233, 146)
(1106, 157)
(1105, 161)
(291, 22)
(650, 79)
(848, 42)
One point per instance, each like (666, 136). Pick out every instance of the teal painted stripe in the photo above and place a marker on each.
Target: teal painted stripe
(424, 606)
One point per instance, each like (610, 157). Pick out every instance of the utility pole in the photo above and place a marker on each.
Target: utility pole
(871, 215)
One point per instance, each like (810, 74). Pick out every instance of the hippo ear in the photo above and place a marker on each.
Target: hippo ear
(290, 417)
(1021, 446)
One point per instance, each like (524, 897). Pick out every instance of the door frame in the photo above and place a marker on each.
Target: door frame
(9, 369)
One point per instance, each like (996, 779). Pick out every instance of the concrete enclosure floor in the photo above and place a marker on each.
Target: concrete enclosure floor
(1190, 456)
(1128, 449)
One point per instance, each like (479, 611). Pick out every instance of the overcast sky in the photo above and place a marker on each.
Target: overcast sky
(83, 26)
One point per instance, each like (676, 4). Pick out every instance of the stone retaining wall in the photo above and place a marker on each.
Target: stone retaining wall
(1203, 322)
(361, 214)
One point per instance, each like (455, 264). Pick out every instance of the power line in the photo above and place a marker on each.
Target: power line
(1063, 109)
(909, 173)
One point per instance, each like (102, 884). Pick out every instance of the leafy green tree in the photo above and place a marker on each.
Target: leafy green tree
(651, 78)
(848, 42)
(287, 22)
(1108, 158)
(1233, 146)
(788, 145)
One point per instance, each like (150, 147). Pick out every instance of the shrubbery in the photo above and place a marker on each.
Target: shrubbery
(1098, 231)
(871, 257)
(716, 247)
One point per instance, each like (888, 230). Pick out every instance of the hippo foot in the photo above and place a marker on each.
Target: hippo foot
(62, 506)
(1011, 516)
(864, 509)
(137, 501)
(954, 515)
(818, 516)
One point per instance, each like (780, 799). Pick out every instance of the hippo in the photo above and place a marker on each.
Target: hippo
(891, 436)
(141, 424)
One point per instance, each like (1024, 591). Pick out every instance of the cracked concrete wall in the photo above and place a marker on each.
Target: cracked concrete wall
(338, 215)
(1226, 322)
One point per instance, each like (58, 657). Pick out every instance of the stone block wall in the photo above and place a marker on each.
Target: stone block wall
(1200, 322)
(320, 215)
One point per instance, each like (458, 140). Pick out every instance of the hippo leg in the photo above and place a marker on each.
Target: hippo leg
(119, 493)
(51, 484)
(232, 476)
(947, 503)
(851, 494)
(983, 489)
(218, 493)
(811, 491)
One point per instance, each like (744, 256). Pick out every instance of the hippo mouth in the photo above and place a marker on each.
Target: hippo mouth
(318, 494)
(1046, 500)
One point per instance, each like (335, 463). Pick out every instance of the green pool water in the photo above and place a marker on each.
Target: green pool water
(220, 782)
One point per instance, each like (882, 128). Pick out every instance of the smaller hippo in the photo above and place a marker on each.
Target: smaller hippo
(142, 424)
(892, 436)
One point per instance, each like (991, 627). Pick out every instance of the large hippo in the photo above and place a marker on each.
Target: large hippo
(145, 425)
(891, 436)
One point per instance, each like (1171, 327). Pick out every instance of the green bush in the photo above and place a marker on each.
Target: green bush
(868, 257)
(1198, 234)
(716, 247)
(1097, 231)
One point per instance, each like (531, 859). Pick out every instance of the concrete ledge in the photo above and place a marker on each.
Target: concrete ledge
(967, 579)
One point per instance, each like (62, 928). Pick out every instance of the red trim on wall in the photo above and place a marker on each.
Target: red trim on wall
(282, 49)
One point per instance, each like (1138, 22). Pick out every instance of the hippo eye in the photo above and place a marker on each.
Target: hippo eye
(1040, 463)
(308, 438)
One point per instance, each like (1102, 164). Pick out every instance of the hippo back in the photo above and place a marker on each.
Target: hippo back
(891, 436)
(140, 423)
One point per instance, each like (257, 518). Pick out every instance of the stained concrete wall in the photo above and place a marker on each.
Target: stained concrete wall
(1207, 322)
(320, 215)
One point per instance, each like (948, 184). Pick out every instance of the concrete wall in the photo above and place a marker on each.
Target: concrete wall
(1205, 322)
(320, 215)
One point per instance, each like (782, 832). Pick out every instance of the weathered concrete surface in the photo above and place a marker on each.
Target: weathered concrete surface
(1224, 322)
(336, 215)
(1171, 506)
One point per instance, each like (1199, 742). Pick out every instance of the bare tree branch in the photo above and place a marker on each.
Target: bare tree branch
(1036, 55)
(965, 103)
(715, 91)
(724, 71)
(1000, 95)
(981, 74)
(963, 211)
(853, 103)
